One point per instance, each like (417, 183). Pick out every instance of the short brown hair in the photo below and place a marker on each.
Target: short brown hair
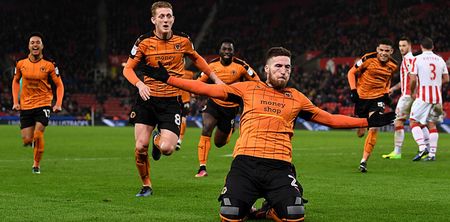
(160, 4)
(386, 41)
(427, 43)
(404, 38)
(277, 51)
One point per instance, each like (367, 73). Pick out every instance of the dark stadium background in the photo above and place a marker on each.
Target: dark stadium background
(90, 40)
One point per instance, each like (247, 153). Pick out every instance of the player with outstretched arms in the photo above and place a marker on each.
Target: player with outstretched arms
(263, 152)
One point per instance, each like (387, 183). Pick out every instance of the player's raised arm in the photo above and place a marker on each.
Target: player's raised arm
(194, 86)
(342, 121)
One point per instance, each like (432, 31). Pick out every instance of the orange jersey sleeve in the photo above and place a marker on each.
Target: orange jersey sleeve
(150, 50)
(373, 76)
(36, 87)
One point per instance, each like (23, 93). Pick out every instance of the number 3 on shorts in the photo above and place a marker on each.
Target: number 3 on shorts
(177, 119)
(46, 113)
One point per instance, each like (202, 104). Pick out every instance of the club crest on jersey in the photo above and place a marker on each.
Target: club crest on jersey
(390, 69)
(177, 46)
(42, 69)
(233, 72)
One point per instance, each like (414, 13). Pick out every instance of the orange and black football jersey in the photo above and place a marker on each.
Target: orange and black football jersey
(237, 71)
(268, 116)
(373, 76)
(150, 49)
(267, 120)
(36, 87)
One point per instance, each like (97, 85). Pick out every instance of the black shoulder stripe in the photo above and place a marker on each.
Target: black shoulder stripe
(49, 59)
(241, 62)
(142, 37)
(215, 60)
(369, 55)
(138, 41)
(305, 115)
(182, 34)
(21, 58)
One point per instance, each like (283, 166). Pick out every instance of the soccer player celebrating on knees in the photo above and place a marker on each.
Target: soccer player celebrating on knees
(370, 93)
(158, 104)
(36, 95)
(263, 152)
(428, 73)
(405, 101)
(218, 113)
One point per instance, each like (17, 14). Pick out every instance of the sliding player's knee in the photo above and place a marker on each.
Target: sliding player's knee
(292, 209)
(233, 210)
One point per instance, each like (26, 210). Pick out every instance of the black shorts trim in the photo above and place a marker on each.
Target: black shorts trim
(29, 117)
(225, 116)
(364, 106)
(251, 178)
(162, 111)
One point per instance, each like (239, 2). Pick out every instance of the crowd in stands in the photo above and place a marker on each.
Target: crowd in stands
(81, 38)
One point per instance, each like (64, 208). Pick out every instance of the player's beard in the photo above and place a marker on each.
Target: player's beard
(277, 84)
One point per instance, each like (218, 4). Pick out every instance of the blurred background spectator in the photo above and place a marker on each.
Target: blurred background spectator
(90, 40)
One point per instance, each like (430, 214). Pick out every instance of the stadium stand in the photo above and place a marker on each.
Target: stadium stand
(81, 40)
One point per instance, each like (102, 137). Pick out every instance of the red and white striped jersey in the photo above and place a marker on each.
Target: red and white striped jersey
(405, 69)
(429, 69)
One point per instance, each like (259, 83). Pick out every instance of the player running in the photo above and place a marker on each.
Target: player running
(158, 104)
(37, 73)
(370, 80)
(263, 152)
(217, 113)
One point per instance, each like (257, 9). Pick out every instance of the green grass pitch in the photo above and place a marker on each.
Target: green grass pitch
(88, 174)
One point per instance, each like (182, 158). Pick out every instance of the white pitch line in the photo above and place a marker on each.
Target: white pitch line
(73, 159)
